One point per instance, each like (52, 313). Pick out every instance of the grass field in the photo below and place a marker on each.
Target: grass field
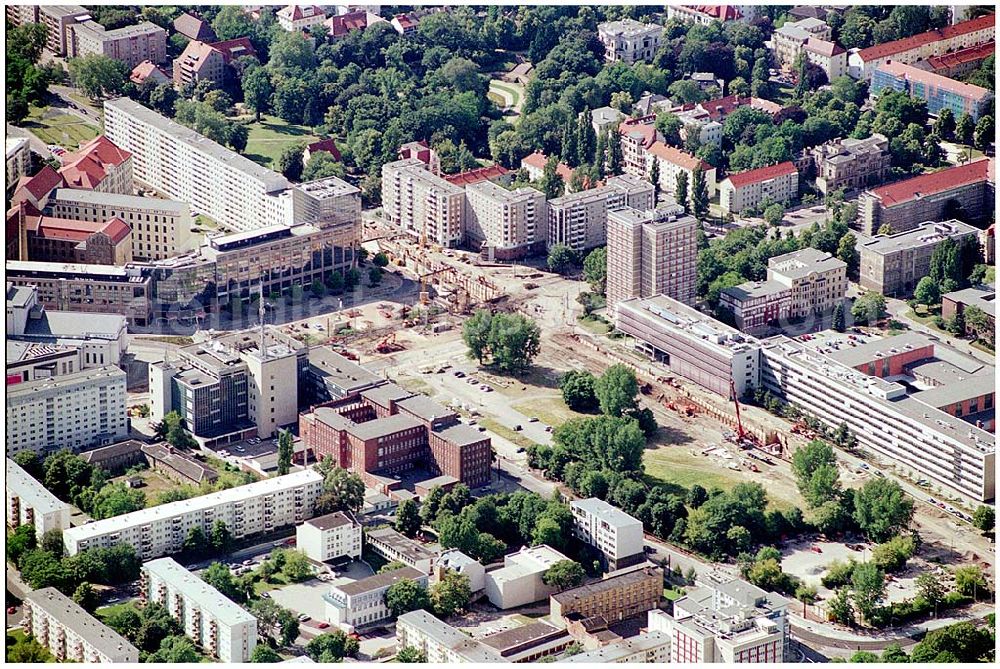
(54, 127)
(505, 432)
(672, 594)
(270, 137)
(596, 325)
(17, 636)
(156, 484)
(106, 612)
(550, 410)
(510, 93)
(675, 466)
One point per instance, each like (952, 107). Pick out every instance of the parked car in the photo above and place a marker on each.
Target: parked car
(518, 428)
(533, 420)
(322, 626)
(11, 610)
(303, 618)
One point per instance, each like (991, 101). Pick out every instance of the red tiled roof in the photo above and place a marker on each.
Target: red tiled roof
(677, 157)
(87, 167)
(405, 21)
(71, 230)
(721, 12)
(761, 174)
(823, 47)
(916, 41)
(232, 49)
(477, 175)
(640, 127)
(345, 23)
(327, 145)
(539, 159)
(935, 182)
(725, 106)
(39, 185)
(143, 70)
(962, 56)
(930, 79)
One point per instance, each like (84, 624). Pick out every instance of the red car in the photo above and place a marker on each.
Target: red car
(816, 549)
(323, 626)
(11, 610)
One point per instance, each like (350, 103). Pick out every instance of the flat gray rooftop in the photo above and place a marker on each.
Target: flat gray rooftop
(68, 613)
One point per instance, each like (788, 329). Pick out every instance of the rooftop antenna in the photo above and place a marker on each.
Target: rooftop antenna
(260, 313)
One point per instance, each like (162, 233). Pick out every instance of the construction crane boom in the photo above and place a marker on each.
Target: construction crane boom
(740, 432)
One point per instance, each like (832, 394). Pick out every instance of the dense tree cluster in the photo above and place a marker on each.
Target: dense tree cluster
(343, 490)
(507, 342)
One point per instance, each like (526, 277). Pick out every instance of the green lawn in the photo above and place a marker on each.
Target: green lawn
(270, 137)
(16, 637)
(550, 410)
(511, 93)
(598, 326)
(105, 612)
(54, 127)
(675, 466)
(505, 432)
(672, 594)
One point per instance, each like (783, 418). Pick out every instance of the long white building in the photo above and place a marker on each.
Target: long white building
(644, 648)
(361, 603)
(249, 509)
(439, 641)
(184, 165)
(215, 623)
(70, 633)
(29, 503)
(75, 411)
(508, 224)
(610, 530)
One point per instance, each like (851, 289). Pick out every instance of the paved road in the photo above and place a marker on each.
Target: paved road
(73, 107)
(37, 145)
(898, 309)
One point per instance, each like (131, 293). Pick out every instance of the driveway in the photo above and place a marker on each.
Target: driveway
(307, 597)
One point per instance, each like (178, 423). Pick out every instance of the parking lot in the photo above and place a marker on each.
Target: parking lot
(307, 597)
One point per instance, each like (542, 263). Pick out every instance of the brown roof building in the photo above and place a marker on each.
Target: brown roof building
(99, 165)
(116, 458)
(199, 62)
(616, 597)
(148, 70)
(179, 466)
(61, 240)
(194, 28)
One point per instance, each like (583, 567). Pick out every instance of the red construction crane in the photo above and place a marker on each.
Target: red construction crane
(740, 432)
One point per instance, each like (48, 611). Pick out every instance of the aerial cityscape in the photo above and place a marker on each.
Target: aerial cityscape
(500, 334)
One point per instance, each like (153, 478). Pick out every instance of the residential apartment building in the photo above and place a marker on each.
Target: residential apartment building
(342, 25)
(580, 220)
(727, 621)
(160, 228)
(194, 28)
(423, 204)
(690, 343)
(439, 641)
(247, 510)
(395, 547)
(223, 629)
(605, 119)
(130, 44)
(74, 411)
(57, 19)
(644, 648)
(827, 56)
(335, 535)
(295, 18)
(186, 166)
(925, 45)
(958, 63)
(18, 159)
(894, 264)
(753, 189)
(651, 253)
(706, 14)
(104, 289)
(672, 162)
(939, 92)
(70, 633)
(816, 279)
(617, 535)
(618, 596)
(936, 196)
(361, 603)
(235, 385)
(851, 164)
(199, 62)
(629, 41)
(100, 166)
(637, 135)
(790, 39)
(506, 224)
(384, 429)
(847, 386)
(28, 362)
(519, 581)
(30, 503)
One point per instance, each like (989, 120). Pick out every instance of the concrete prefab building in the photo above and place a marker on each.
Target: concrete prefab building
(70, 633)
(246, 510)
(30, 503)
(216, 624)
(329, 537)
(580, 220)
(519, 582)
(690, 343)
(75, 411)
(508, 224)
(439, 641)
(423, 204)
(617, 535)
(645, 648)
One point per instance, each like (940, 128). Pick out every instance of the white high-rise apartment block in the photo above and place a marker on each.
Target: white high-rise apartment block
(160, 228)
(580, 220)
(610, 530)
(651, 253)
(329, 537)
(246, 510)
(216, 624)
(70, 633)
(187, 166)
(18, 159)
(508, 223)
(29, 503)
(629, 41)
(75, 411)
(423, 204)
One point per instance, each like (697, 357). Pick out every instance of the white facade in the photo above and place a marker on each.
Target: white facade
(503, 219)
(519, 582)
(396, 547)
(160, 228)
(610, 530)
(30, 503)
(184, 165)
(18, 158)
(646, 648)
(215, 623)
(273, 388)
(580, 220)
(629, 41)
(460, 563)
(298, 17)
(246, 510)
(74, 411)
(423, 204)
(70, 633)
(362, 603)
(790, 38)
(439, 641)
(776, 184)
(329, 537)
